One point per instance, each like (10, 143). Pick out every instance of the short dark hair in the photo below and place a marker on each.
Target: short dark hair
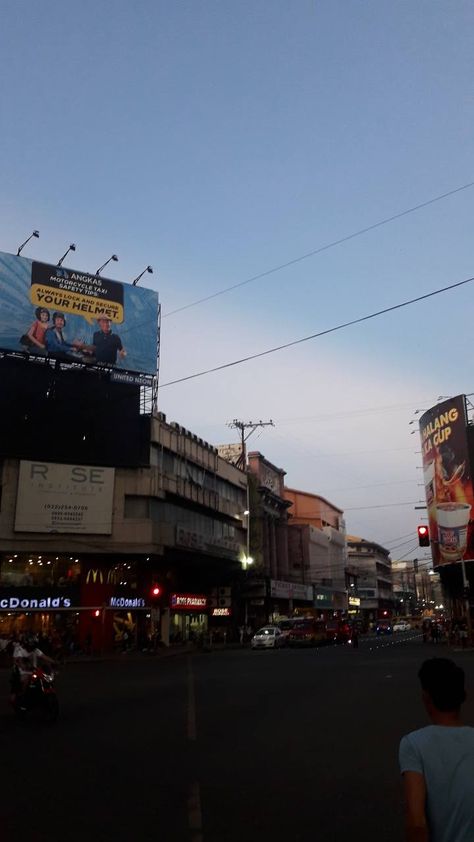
(40, 310)
(57, 315)
(443, 681)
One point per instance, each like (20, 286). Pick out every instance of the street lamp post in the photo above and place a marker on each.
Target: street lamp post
(247, 561)
(467, 607)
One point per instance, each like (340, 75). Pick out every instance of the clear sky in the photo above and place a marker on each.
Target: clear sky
(216, 140)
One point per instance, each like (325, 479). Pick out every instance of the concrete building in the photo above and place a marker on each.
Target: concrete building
(273, 588)
(176, 523)
(374, 574)
(404, 586)
(317, 543)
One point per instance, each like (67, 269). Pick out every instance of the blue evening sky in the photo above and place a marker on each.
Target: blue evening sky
(216, 140)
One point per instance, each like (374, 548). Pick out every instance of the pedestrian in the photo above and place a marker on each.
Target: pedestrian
(437, 762)
(425, 628)
(434, 632)
(355, 638)
(463, 634)
(241, 635)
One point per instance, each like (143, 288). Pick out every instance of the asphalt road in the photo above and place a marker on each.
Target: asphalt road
(222, 747)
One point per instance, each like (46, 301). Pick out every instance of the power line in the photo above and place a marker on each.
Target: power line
(320, 333)
(400, 537)
(381, 506)
(326, 247)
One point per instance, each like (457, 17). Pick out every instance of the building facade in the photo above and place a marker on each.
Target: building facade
(84, 548)
(374, 575)
(318, 545)
(404, 587)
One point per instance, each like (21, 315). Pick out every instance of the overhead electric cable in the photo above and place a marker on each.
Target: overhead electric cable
(381, 506)
(326, 247)
(320, 333)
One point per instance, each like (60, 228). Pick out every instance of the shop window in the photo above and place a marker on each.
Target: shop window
(123, 575)
(39, 571)
(136, 507)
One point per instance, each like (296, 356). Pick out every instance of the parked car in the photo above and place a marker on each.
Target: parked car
(384, 627)
(402, 626)
(268, 637)
(307, 632)
(338, 631)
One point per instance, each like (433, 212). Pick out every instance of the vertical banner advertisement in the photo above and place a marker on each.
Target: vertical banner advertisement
(448, 481)
(74, 316)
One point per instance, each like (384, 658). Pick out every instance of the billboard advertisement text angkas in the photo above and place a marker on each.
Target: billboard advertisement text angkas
(448, 481)
(74, 316)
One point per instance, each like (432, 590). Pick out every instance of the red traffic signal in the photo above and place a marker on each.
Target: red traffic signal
(423, 536)
(96, 612)
(156, 591)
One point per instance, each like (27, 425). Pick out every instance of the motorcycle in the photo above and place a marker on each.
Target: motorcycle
(38, 699)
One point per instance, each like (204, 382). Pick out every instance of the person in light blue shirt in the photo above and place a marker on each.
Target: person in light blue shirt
(437, 762)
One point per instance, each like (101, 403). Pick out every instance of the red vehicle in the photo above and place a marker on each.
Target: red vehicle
(307, 632)
(338, 631)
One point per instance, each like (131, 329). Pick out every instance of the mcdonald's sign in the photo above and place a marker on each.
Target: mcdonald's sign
(95, 576)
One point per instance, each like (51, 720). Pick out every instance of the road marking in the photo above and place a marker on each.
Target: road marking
(191, 712)
(195, 813)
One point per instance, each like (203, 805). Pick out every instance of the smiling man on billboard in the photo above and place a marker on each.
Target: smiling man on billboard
(107, 344)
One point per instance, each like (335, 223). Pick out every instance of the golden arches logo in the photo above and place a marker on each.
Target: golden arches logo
(95, 576)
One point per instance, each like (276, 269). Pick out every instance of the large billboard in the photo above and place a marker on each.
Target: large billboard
(71, 414)
(76, 317)
(448, 481)
(64, 498)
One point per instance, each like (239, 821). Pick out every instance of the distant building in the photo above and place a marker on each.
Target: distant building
(317, 549)
(404, 586)
(374, 573)
(273, 588)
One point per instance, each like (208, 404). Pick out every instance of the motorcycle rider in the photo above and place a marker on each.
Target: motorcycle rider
(25, 660)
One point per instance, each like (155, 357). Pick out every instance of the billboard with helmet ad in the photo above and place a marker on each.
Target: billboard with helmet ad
(447, 478)
(74, 316)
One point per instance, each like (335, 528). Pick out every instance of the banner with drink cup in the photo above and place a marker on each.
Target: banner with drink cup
(447, 478)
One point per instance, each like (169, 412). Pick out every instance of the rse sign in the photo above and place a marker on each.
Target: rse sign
(64, 498)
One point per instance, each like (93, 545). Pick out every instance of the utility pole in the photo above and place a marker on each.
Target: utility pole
(246, 429)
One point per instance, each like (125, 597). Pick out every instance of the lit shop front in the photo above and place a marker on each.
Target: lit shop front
(354, 607)
(188, 616)
(39, 593)
(118, 611)
(46, 611)
(91, 605)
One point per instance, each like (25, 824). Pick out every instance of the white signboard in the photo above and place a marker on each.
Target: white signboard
(64, 498)
(230, 452)
(291, 590)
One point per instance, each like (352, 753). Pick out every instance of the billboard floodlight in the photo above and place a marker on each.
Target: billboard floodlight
(20, 248)
(113, 257)
(148, 269)
(72, 247)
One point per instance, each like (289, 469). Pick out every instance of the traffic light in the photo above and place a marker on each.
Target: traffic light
(156, 593)
(423, 536)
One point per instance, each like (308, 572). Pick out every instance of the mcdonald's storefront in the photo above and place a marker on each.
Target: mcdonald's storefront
(94, 604)
(116, 597)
